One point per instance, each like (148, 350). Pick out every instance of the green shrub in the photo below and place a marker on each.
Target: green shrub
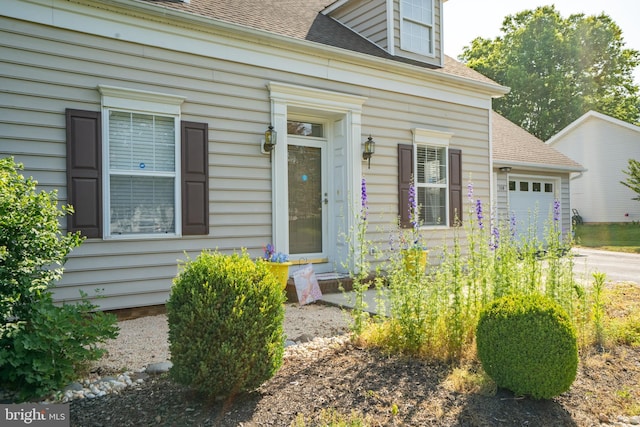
(52, 348)
(225, 317)
(42, 346)
(528, 345)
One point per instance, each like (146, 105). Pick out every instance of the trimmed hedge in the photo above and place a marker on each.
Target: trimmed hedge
(528, 345)
(225, 316)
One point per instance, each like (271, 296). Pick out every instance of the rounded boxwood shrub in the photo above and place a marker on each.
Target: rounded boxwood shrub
(528, 345)
(225, 316)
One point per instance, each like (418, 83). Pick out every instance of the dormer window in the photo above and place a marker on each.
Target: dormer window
(416, 26)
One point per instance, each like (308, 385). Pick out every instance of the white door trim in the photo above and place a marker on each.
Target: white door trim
(287, 99)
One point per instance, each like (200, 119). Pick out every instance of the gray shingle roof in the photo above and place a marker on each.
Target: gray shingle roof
(514, 145)
(301, 19)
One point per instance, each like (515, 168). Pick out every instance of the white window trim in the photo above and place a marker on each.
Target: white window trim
(431, 26)
(145, 102)
(432, 138)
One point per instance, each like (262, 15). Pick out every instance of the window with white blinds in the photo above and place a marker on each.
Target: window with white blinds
(417, 26)
(431, 184)
(142, 173)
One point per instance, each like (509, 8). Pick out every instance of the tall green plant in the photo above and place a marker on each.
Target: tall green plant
(435, 314)
(598, 307)
(358, 264)
(42, 346)
(411, 299)
(412, 294)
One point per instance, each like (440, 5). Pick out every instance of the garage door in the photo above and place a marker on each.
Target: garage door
(531, 202)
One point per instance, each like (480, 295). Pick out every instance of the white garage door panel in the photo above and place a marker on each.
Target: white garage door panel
(531, 202)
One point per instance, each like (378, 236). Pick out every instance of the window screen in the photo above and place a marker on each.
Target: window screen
(142, 173)
(431, 183)
(417, 26)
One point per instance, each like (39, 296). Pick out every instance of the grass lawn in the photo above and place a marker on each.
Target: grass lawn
(621, 237)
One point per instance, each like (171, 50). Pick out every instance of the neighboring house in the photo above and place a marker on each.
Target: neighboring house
(149, 116)
(530, 177)
(603, 145)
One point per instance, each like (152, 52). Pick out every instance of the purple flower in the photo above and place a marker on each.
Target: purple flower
(269, 250)
(364, 199)
(470, 191)
(413, 206)
(271, 255)
(556, 210)
(495, 240)
(479, 213)
(512, 224)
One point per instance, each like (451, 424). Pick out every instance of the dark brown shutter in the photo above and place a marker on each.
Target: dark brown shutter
(84, 171)
(455, 187)
(195, 182)
(405, 176)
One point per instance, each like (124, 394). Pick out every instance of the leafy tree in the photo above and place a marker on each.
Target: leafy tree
(633, 180)
(558, 69)
(42, 345)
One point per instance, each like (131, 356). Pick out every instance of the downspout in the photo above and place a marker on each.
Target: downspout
(492, 195)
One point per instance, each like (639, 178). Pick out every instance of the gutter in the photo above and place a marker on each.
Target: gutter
(537, 166)
(382, 64)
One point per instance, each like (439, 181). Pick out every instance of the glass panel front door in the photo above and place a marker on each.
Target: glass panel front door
(306, 199)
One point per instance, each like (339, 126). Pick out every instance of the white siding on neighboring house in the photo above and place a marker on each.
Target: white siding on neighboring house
(603, 145)
(224, 82)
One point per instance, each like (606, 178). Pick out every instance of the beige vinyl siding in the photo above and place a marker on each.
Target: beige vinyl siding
(437, 58)
(367, 18)
(389, 118)
(45, 70)
(502, 195)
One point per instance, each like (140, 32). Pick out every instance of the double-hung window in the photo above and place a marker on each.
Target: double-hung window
(416, 26)
(431, 184)
(435, 171)
(142, 173)
(134, 169)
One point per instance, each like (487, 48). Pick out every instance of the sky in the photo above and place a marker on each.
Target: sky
(465, 20)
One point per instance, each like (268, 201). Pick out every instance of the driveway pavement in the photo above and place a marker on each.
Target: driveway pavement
(618, 266)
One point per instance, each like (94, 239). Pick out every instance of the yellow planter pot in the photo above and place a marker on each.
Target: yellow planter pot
(415, 260)
(281, 271)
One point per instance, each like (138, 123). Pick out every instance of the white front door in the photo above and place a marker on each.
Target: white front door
(308, 198)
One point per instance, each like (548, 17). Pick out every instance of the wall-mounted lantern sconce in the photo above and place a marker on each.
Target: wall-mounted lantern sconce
(269, 141)
(369, 149)
(505, 169)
